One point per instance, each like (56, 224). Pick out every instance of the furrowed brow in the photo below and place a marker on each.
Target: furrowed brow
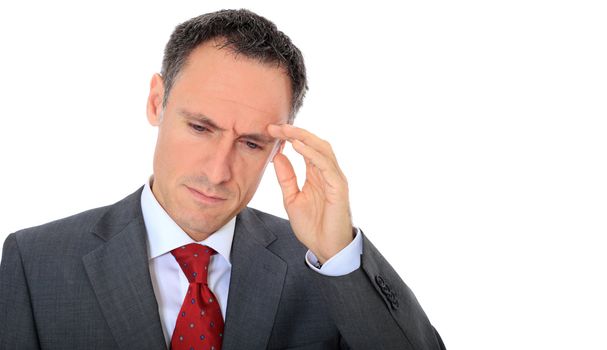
(201, 118)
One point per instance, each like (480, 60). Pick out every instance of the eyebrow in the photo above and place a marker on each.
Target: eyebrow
(203, 119)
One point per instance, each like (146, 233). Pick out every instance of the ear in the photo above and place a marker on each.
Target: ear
(154, 104)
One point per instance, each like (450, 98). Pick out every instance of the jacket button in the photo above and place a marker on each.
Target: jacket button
(380, 282)
(387, 292)
(385, 288)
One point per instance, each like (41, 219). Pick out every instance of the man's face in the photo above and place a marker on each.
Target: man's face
(212, 145)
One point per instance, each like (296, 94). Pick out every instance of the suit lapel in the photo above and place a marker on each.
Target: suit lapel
(119, 274)
(255, 287)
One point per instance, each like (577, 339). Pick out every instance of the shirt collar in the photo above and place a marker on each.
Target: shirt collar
(165, 235)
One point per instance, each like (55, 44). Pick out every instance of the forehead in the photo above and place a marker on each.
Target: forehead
(227, 86)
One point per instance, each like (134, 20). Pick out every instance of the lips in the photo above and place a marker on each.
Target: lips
(204, 197)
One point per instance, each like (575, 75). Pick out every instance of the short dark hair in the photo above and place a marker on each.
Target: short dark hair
(245, 33)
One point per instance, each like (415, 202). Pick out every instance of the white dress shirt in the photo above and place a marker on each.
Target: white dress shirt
(170, 283)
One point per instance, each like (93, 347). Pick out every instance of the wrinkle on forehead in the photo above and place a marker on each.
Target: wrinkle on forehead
(246, 105)
(223, 73)
(235, 114)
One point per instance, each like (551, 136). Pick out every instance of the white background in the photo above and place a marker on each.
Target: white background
(472, 134)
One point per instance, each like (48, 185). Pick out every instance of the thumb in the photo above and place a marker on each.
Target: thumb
(286, 177)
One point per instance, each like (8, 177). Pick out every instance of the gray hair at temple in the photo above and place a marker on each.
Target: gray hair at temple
(244, 33)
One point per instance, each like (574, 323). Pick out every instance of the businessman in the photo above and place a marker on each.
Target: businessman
(182, 263)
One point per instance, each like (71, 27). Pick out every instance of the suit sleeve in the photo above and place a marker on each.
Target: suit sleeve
(17, 326)
(374, 309)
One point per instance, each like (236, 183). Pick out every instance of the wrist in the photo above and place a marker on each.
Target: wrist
(323, 255)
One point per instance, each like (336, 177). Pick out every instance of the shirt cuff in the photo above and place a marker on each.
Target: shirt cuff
(342, 263)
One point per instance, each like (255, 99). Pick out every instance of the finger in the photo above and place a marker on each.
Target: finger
(327, 168)
(286, 177)
(289, 132)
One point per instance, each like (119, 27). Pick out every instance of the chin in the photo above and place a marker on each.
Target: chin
(207, 223)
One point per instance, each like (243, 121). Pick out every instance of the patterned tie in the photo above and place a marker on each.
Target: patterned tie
(199, 323)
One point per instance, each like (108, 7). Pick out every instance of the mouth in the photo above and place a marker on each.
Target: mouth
(204, 197)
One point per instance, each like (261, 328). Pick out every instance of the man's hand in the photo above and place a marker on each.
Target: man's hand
(320, 212)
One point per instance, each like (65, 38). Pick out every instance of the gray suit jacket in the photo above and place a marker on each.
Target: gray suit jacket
(83, 283)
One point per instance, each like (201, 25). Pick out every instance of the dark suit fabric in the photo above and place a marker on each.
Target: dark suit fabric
(83, 282)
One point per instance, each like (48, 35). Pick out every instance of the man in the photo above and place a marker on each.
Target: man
(182, 263)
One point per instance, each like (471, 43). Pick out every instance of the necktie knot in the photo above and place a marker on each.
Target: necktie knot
(194, 261)
(199, 323)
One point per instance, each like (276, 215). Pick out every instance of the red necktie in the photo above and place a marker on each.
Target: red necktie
(199, 323)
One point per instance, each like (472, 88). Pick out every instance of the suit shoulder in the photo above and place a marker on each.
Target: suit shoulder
(82, 223)
(54, 230)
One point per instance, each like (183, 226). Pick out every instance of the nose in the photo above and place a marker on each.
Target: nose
(219, 163)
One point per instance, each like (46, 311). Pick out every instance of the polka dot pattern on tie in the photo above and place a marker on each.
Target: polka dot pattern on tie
(199, 324)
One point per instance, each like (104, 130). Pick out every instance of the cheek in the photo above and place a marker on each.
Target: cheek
(249, 174)
(174, 155)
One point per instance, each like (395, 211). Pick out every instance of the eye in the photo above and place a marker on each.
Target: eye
(198, 128)
(252, 145)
